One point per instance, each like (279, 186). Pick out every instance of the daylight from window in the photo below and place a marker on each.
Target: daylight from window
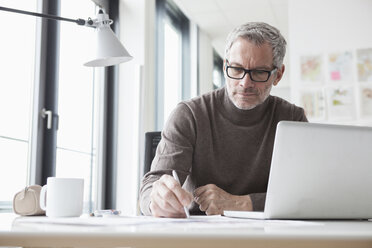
(16, 89)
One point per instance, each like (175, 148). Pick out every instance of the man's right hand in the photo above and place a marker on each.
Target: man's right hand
(168, 198)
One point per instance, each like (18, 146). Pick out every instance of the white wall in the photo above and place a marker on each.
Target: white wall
(321, 27)
(205, 63)
(136, 97)
(137, 92)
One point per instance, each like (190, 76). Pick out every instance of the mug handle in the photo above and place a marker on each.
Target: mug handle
(43, 197)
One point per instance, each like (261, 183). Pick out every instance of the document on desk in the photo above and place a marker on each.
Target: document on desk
(216, 221)
(125, 220)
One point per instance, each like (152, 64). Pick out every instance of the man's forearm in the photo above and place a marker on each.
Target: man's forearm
(243, 203)
(145, 191)
(145, 201)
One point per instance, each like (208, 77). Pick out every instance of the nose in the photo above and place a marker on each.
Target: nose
(246, 82)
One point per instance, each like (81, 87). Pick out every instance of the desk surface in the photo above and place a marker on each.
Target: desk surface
(151, 232)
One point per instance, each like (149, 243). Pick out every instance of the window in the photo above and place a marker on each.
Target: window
(76, 146)
(42, 62)
(218, 76)
(172, 68)
(173, 59)
(16, 93)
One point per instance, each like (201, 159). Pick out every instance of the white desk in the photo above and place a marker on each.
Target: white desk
(182, 234)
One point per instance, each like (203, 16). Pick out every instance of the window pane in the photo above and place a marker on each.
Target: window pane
(75, 97)
(75, 80)
(172, 68)
(17, 49)
(13, 164)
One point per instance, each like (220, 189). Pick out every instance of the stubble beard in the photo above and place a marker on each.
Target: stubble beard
(262, 96)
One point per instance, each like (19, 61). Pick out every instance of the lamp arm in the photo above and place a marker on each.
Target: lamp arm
(53, 17)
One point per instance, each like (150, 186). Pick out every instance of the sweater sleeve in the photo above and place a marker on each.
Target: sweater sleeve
(299, 114)
(258, 201)
(174, 152)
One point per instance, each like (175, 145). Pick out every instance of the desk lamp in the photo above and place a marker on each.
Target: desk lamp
(109, 50)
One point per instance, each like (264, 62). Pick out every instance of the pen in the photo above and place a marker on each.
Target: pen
(100, 213)
(174, 173)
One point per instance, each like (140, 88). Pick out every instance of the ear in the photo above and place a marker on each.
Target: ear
(279, 75)
(224, 67)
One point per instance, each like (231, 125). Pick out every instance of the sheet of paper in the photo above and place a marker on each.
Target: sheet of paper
(215, 221)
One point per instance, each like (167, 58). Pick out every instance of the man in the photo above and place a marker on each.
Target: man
(221, 143)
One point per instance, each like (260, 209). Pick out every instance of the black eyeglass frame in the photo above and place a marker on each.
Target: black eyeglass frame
(249, 73)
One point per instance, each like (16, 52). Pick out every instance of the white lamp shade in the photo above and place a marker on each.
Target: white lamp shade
(109, 50)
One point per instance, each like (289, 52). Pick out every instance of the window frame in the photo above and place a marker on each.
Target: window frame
(167, 10)
(44, 141)
(43, 145)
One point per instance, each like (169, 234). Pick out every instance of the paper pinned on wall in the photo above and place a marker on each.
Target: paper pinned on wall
(341, 103)
(340, 67)
(366, 101)
(311, 68)
(313, 103)
(364, 63)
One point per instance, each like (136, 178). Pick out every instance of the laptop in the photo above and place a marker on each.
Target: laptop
(318, 171)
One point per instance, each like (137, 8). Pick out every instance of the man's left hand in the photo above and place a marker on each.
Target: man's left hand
(214, 200)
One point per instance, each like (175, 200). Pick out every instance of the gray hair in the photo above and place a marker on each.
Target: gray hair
(259, 33)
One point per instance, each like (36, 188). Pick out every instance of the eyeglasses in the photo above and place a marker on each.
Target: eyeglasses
(255, 75)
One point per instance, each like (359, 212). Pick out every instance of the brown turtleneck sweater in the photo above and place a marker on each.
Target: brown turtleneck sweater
(211, 141)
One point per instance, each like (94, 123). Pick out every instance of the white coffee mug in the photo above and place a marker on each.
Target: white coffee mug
(62, 197)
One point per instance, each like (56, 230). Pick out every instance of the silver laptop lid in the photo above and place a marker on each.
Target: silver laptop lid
(320, 171)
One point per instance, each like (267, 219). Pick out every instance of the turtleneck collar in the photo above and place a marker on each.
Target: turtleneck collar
(240, 116)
